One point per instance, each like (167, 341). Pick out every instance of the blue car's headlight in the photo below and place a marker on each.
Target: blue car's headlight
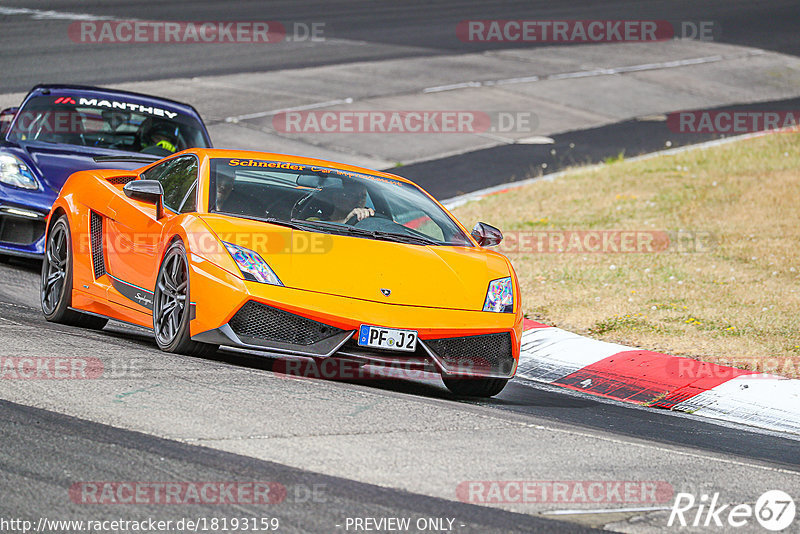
(253, 266)
(14, 172)
(500, 296)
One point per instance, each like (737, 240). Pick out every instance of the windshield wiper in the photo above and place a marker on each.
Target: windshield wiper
(374, 234)
(336, 227)
(300, 224)
(404, 238)
(281, 222)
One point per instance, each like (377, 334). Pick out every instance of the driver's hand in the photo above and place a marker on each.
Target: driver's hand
(360, 213)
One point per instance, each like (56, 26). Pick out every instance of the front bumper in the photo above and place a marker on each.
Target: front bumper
(22, 231)
(259, 316)
(23, 216)
(483, 355)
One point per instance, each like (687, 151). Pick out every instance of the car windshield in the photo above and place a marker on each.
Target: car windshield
(329, 200)
(113, 124)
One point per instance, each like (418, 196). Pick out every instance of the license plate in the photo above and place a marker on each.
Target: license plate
(387, 338)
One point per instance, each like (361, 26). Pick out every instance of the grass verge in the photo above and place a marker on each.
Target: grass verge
(711, 261)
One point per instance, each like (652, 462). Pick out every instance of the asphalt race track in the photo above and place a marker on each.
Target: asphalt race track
(374, 447)
(95, 450)
(237, 403)
(366, 30)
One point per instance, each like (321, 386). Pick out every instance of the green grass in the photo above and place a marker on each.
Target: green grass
(726, 290)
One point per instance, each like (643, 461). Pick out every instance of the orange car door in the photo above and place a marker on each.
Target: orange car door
(135, 236)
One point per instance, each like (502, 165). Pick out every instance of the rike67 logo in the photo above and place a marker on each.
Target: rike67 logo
(774, 510)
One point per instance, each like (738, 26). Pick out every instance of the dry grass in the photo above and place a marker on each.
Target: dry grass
(735, 302)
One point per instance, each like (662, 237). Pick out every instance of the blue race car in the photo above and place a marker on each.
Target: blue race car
(60, 129)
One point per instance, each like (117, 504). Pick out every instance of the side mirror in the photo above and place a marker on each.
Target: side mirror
(486, 235)
(149, 191)
(6, 118)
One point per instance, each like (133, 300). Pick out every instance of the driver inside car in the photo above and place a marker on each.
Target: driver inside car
(224, 185)
(350, 202)
(230, 199)
(158, 137)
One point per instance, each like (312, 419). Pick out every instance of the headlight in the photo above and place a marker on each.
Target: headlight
(14, 172)
(500, 296)
(253, 266)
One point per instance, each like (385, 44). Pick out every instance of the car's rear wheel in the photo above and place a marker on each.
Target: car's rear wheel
(475, 387)
(56, 285)
(172, 306)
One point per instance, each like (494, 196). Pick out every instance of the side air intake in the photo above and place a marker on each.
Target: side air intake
(96, 231)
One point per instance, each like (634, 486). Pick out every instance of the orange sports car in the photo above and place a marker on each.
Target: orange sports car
(284, 254)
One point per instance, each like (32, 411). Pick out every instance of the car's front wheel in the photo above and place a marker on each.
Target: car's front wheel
(56, 285)
(475, 387)
(172, 306)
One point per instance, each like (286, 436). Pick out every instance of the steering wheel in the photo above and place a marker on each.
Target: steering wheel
(311, 205)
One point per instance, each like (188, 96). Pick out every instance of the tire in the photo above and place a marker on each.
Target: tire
(475, 387)
(171, 306)
(56, 284)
